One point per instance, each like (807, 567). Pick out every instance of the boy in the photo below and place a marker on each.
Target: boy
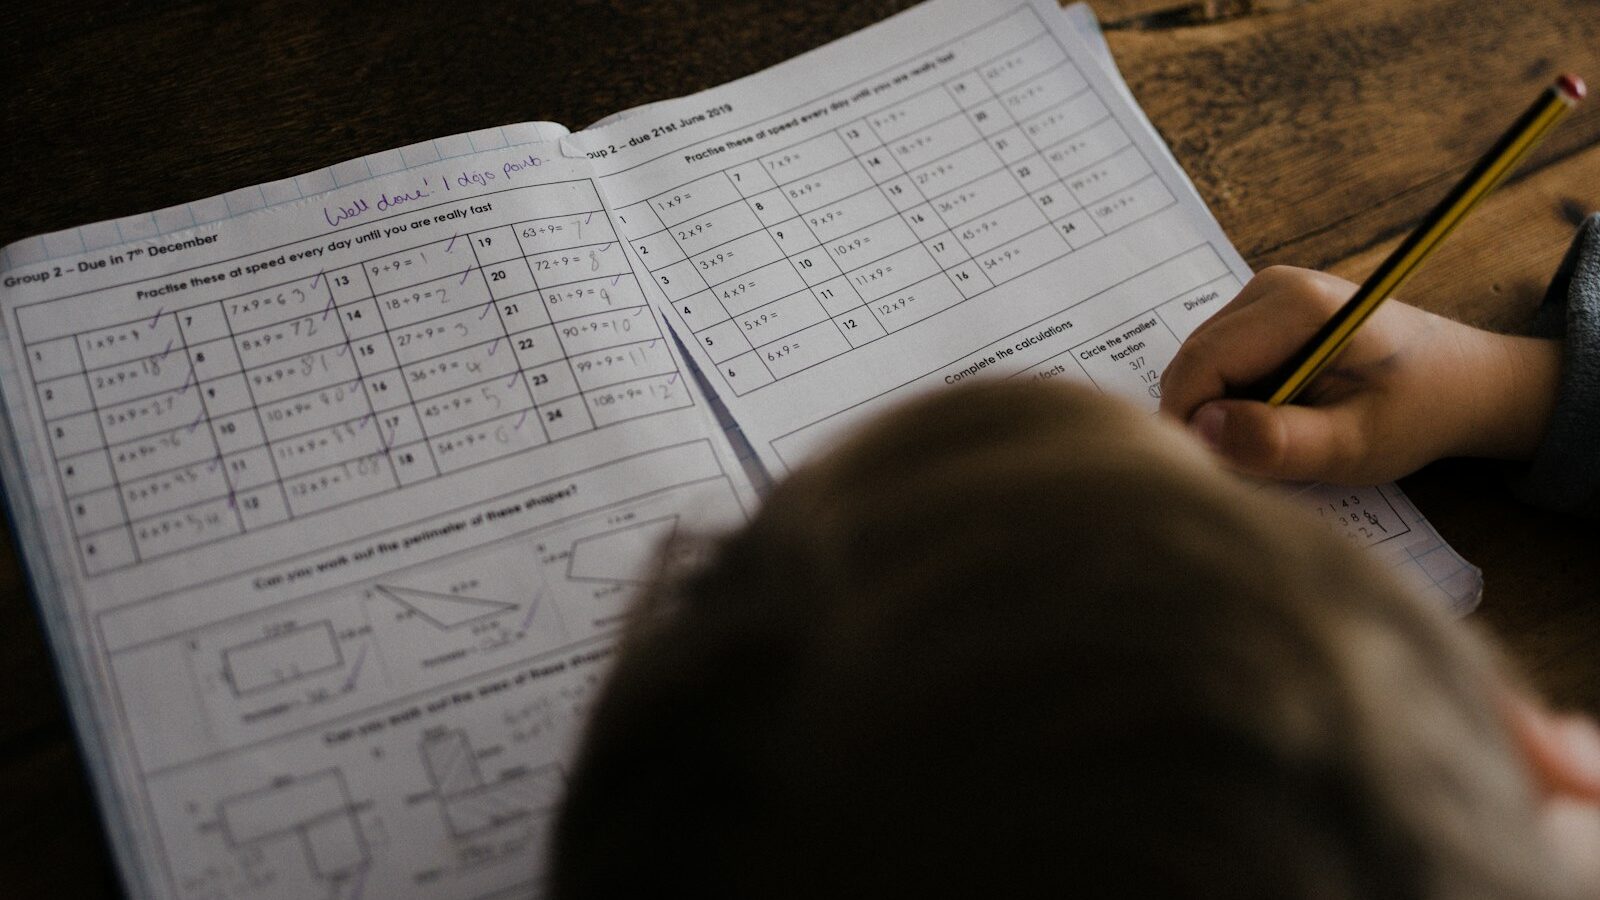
(1024, 641)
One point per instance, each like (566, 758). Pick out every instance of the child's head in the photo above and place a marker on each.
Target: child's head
(1026, 641)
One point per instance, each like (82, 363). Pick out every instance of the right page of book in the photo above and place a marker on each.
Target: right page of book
(964, 190)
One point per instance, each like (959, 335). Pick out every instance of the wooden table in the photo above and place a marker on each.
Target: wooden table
(1319, 131)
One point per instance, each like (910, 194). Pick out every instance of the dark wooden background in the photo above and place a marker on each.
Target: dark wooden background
(1318, 130)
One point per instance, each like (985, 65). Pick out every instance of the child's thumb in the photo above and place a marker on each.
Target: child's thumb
(1295, 443)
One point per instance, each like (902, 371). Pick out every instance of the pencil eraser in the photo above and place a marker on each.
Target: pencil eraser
(1572, 86)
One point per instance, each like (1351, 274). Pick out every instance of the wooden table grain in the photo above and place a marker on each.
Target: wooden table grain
(1318, 130)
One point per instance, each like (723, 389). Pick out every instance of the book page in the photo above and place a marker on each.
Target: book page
(962, 191)
(334, 494)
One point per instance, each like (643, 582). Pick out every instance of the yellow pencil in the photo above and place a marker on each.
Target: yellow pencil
(1294, 375)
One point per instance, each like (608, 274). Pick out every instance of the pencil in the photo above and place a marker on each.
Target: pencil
(1286, 383)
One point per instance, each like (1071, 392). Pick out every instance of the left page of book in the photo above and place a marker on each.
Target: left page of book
(333, 492)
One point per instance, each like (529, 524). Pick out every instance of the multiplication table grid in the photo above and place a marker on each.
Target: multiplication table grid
(782, 262)
(202, 421)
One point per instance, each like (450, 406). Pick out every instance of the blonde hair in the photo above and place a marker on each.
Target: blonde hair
(1025, 640)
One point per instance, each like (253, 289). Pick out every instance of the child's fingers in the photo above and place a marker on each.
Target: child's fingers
(1232, 353)
(1293, 443)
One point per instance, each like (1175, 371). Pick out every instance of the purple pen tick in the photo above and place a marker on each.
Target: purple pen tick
(166, 351)
(492, 345)
(615, 280)
(518, 427)
(588, 217)
(464, 276)
(486, 308)
(452, 242)
(316, 278)
(157, 317)
(533, 608)
(329, 308)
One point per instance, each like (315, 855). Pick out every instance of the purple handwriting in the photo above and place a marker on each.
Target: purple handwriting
(452, 242)
(355, 670)
(385, 202)
(157, 317)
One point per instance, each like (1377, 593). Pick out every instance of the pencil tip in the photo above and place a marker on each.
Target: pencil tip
(1572, 86)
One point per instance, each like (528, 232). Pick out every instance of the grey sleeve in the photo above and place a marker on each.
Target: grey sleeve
(1564, 474)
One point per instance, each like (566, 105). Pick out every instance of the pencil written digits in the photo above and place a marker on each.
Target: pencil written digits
(1553, 104)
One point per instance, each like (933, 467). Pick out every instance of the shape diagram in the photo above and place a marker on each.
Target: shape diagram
(468, 804)
(314, 809)
(621, 554)
(444, 611)
(280, 658)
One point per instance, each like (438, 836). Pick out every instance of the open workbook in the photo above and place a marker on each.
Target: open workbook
(334, 490)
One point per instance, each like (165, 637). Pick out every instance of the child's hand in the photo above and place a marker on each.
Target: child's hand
(1410, 388)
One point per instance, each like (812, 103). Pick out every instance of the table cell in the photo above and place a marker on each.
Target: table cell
(438, 261)
(344, 285)
(848, 214)
(492, 245)
(314, 450)
(859, 326)
(1033, 173)
(386, 390)
(1128, 359)
(502, 436)
(947, 250)
(141, 377)
(361, 319)
(250, 468)
(107, 550)
(1012, 69)
(1079, 229)
(641, 397)
(396, 426)
(65, 396)
(871, 243)
(473, 404)
(509, 278)
(886, 276)
(859, 136)
(924, 222)
(432, 299)
(969, 279)
(679, 280)
(550, 382)
(85, 472)
(261, 507)
(373, 353)
(560, 267)
(447, 334)
(528, 310)
(700, 310)
(806, 158)
(827, 186)
(414, 462)
(917, 302)
(901, 193)
(625, 363)
(658, 250)
(96, 511)
(213, 359)
(607, 329)
(1102, 179)
(914, 114)
(1184, 313)
(990, 230)
(758, 287)
(881, 165)
(751, 178)
(581, 298)
(338, 484)
(815, 265)
(206, 322)
(978, 197)
(803, 349)
(715, 227)
(129, 341)
(989, 117)
(773, 207)
(452, 371)
(737, 257)
(1082, 150)
(185, 528)
(722, 341)
(237, 431)
(793, 236)
(1060, 122)
(1022, 255)
(534, 347)
(72, 435)
(320, 408)
(151, 415)
(296, 337)
(1044, 91)
(962, 167)
(745, 373)
(638, 220)
(53, 359)
(565, 418)
(968, 90)
(693, 199)
(159, 452)
(1142, 199)
(836, 295)
(937, 140)
(781, 318)
(1011, 145)
(1054, 200)
(174, 489)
